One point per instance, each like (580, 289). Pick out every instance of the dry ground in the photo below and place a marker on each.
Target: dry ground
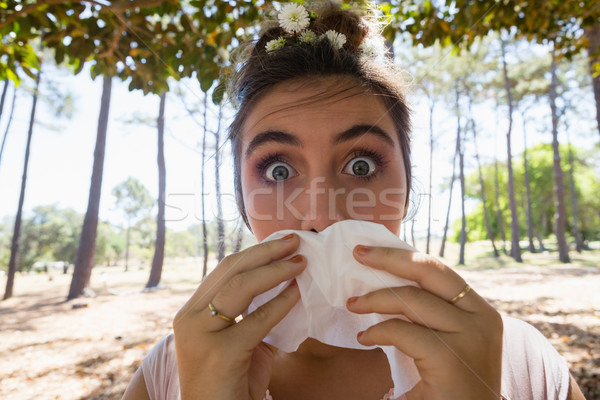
(50, 349)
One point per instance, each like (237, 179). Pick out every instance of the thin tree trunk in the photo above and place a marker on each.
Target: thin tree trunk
(202, 177)
(9, 122)
(430, 174)
(127, 236)
(527, 188)
(3, 96)
(593, 35)
(84, 261)
(515, 250)
(486, 217)
(579, 245)
(499, 214)
(443, 246)
(159, 243)
(239, 237)
(545, 227)
(220, 222)
(14, 247)
(461, 174)
(560, 216)
(412, 233)
(540, 239)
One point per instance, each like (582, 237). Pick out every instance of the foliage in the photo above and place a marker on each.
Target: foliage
(460, 21)
(540, 157)
(132, 197)
(52, 234)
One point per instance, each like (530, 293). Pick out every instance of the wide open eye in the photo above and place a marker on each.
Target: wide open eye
(360, 166)
(279, 171)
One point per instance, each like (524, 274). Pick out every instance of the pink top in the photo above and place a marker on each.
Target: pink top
(531, 368)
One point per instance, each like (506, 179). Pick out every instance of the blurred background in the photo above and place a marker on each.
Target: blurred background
(116, 176)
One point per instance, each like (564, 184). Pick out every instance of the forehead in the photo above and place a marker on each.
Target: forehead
(324, 104)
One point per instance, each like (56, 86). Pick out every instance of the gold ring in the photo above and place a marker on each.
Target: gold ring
(459, 296)
(215, 313)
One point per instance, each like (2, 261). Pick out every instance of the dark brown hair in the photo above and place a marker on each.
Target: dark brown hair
(260, 71)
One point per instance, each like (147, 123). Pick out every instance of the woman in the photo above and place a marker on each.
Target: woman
(321, 114)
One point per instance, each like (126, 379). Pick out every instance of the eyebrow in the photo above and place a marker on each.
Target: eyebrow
(354, 132)
(272, 136)
(358, 130)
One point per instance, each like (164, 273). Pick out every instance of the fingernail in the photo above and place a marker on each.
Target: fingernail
(351, 301)
(359, 335)
(296, 259)
(362, 250)
(288, 237)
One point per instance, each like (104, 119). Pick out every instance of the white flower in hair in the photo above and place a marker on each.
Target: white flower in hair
(336, 39)
(275, 44)
(308, 37)
(293, 18)
(371, 47)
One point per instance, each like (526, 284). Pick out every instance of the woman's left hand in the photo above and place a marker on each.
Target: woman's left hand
(457, 347)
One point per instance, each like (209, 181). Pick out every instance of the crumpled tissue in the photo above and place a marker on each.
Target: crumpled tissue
(332, 276)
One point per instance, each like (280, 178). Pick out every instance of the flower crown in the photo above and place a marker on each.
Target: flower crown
(295, 19)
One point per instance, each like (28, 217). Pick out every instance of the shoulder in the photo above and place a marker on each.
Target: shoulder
(531, 367)
(159, 369)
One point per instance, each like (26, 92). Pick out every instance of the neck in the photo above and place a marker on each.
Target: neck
(314, 349)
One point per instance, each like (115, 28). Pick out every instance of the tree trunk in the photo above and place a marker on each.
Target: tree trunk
(430, 174)
(159, 244)
(9, 122)
(540, 239)
(593, 35)
(14, 247)
(515, 250)
(3, 96)
(560, 216)
(461, 174)
(486, 217)
(239, 237)
(412, 233)
(84, 261)
(202, 177)
(443, 246)
(220, 222)
(499, 214)
(127, 246)
(579, 245)
(527, 188)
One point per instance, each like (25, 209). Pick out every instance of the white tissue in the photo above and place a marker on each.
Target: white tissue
(332, 276)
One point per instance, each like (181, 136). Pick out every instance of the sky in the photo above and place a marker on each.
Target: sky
(62, 152)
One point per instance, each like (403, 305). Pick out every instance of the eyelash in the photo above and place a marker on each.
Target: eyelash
(266, 161)
(379, 160)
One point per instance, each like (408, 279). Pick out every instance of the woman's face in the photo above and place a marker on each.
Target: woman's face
(315, 153)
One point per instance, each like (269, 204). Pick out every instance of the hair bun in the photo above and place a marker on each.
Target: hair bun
(331, 17)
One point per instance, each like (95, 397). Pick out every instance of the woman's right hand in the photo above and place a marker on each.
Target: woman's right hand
(218, 359)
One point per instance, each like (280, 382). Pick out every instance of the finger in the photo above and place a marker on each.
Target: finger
(413, 340)
(430, 273)
(258, 324)
(237, 294)
(418, 305)
(252, 257)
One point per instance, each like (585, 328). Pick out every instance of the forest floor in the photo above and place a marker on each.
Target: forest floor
(89, 348)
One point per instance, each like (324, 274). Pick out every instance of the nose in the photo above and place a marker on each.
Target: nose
(323, 204)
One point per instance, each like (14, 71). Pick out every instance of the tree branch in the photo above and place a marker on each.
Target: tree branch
(26, 10)
(114, 43)
(119, 6)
